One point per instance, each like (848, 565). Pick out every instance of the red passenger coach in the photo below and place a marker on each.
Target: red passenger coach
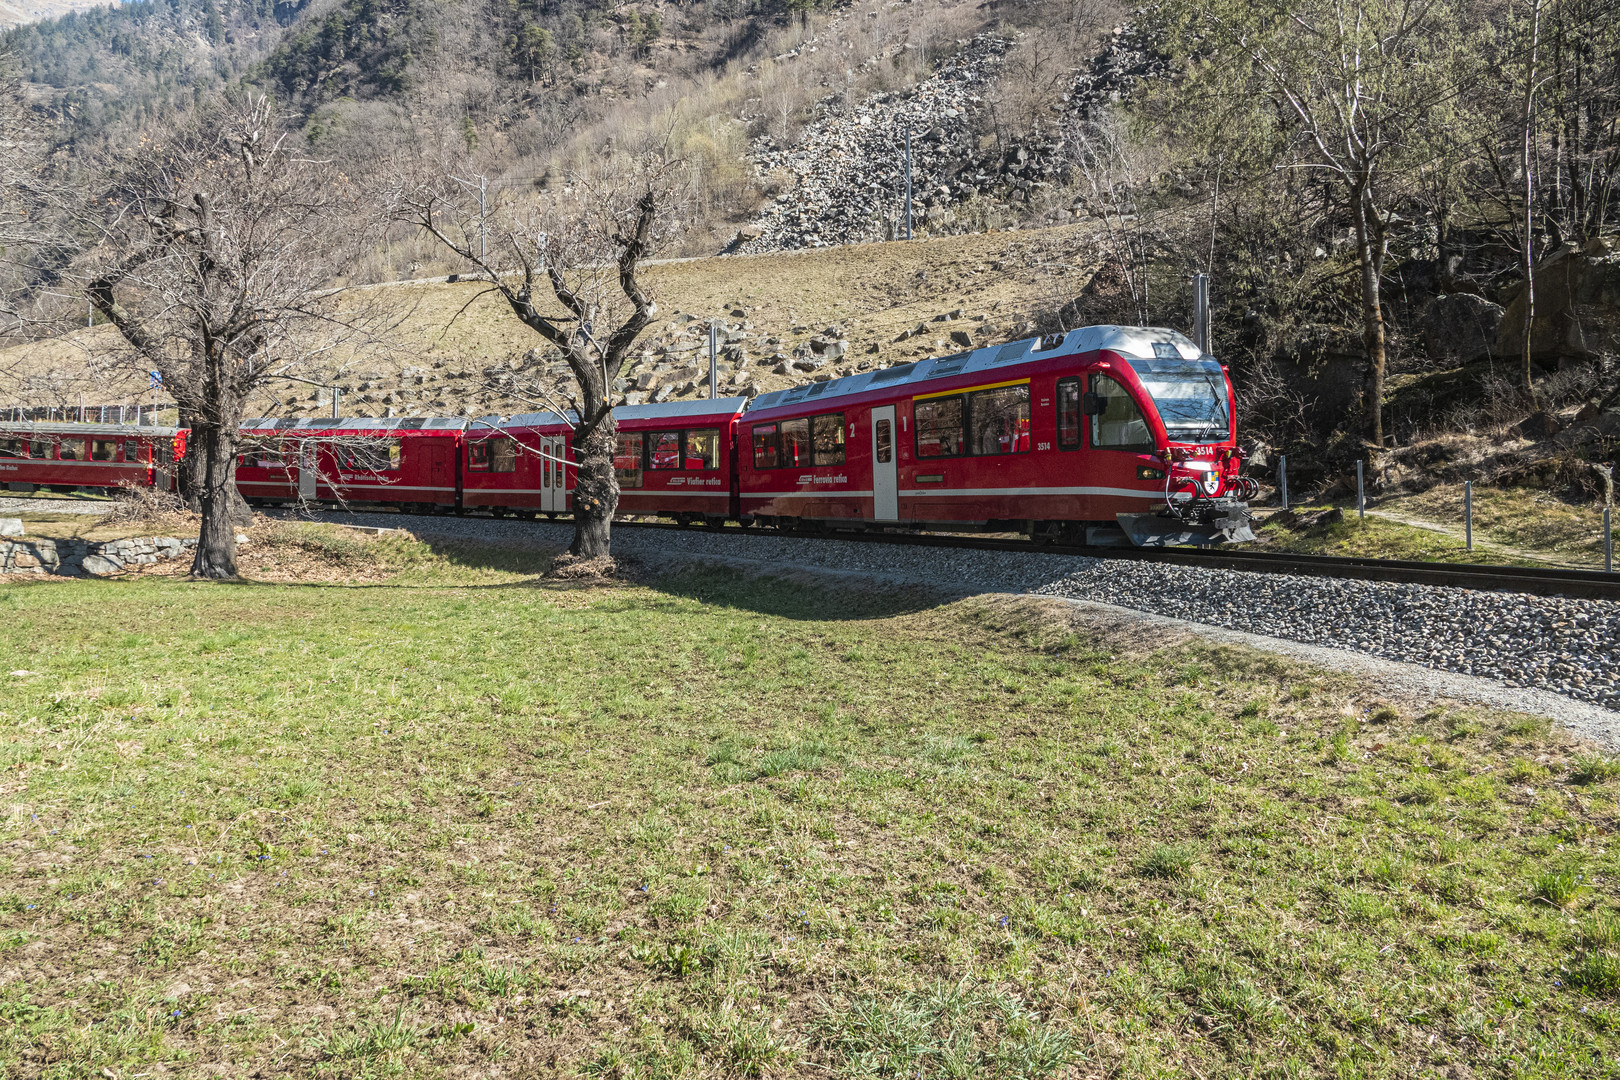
(677, 460)
(65, 457)
(1099, 427)
(517, 465)
(405, 461)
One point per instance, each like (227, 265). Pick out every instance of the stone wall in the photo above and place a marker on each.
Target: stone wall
(81, 558)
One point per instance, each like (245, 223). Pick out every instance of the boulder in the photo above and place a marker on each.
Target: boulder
(962, 338)
(101, 565)
(1460, 327)
(11, 527)
(1577, 306)
(1537, 426)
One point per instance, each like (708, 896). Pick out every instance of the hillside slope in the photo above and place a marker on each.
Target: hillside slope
(797, 308)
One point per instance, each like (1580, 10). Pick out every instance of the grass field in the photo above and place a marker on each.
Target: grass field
(1517, 526)
(467, 821)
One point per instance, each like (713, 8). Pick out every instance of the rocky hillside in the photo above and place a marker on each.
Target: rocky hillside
(843, 181)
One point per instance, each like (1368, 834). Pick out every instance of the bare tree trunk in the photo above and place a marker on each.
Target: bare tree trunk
(596, 491)
(188, 475)
(1529, 205)
(216, 543)
(1370, 249)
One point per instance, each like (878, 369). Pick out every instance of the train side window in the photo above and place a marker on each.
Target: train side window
(627, 461)
(366, 457)
(827, 439)
(1068, 414)
(998, 420)
(765, 446)
(796, 443)
(70, 450)
(1119, 425)
(13, 448)
(938, 426)
(703, 448)
(103, 449)
(502, 455)
(478, 455)
(885, 442)
(663, 450)
(39, 448)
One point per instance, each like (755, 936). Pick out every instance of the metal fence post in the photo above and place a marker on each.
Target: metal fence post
(1468, 513)
(1608, 543)
(1282, 479)
(1361, 489)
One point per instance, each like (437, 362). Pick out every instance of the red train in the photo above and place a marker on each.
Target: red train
(1059, 436)
(60, 456)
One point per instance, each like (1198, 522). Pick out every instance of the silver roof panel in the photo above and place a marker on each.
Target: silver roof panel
(700, 407)
(67, 427)
(355, 423)
(1132, 341)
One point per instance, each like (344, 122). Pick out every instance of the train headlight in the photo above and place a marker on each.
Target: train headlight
(1145, 472)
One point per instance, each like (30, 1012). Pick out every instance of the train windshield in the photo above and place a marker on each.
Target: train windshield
(1190, 396)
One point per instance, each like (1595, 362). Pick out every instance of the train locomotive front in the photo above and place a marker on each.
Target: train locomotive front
(1185, 400)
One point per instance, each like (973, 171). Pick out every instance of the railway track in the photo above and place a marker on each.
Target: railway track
(1538, 581)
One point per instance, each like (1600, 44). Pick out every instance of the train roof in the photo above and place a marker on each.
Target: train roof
(675, 409)
(68, 427)
(522, 420)
(671, 410)
(1135, 342)
(355, 423)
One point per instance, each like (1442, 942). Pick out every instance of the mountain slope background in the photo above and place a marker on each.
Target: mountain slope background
(791, 121)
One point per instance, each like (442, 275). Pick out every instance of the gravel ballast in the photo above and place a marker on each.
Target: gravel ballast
(35, 505)
(1517, 640)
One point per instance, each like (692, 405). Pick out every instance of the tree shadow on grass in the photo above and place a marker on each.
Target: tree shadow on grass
(806, 596)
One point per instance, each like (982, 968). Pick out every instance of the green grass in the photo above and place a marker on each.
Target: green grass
(1512, 527)
(468, 822)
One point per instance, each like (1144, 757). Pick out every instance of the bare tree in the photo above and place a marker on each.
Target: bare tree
(582, 252)
(1527, 164)
(214, 254)
(1347, 87)
(1112, 182)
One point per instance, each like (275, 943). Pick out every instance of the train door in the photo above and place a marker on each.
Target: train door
(1121, 453)
(437, 468)
(885, 467)
(553, 476)
(306, 469)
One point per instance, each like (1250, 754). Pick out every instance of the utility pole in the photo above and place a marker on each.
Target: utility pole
(1200, 332)
(908, 183)
(713, 344)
